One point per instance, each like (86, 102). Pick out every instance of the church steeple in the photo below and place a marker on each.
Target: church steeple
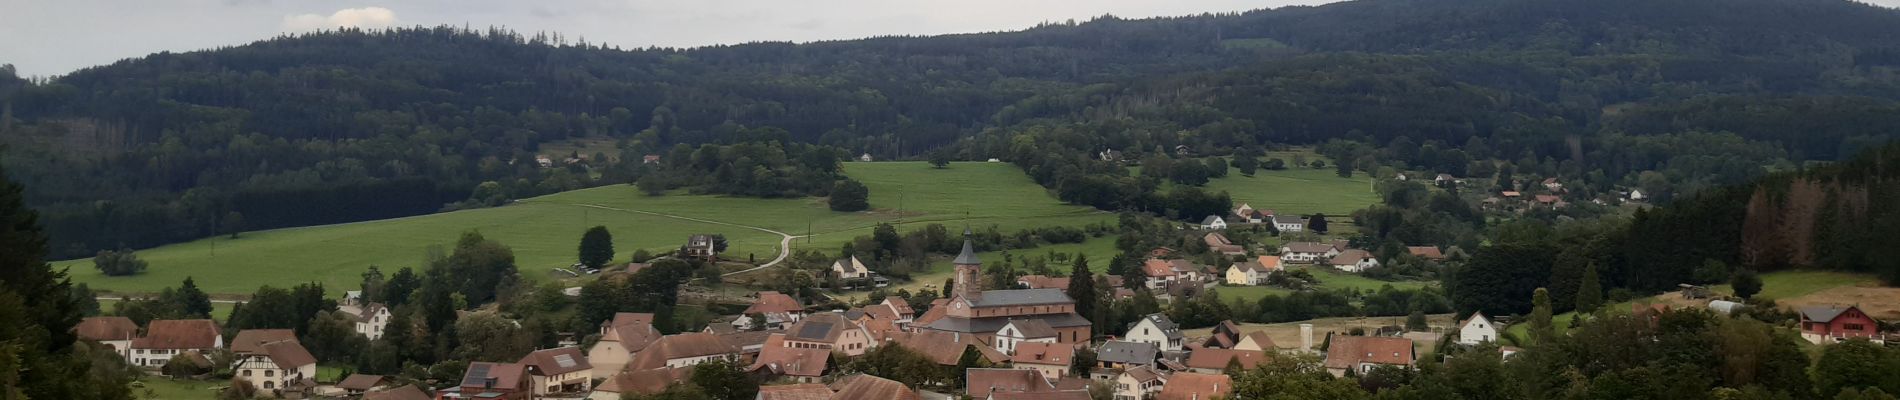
(969, 269)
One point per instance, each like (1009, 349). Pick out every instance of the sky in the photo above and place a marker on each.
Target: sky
(53, 37)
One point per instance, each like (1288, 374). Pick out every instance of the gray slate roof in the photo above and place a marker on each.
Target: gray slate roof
(1021, 297)
(968, 257)
(1288, 219)
(1034, 328)
(1211, 219)
(1821, 313)
(1161, 322)
(1127, 352)
(993, 324)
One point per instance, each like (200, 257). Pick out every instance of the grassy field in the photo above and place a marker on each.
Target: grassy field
(1299, 191)
(1329, 278)
(218, 310)
(160, 388)
(1099, 250)
(1782, 285)
(544, 231)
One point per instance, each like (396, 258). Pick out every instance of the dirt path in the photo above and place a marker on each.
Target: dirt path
(784, 242)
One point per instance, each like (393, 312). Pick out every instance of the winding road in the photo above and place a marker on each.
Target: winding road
(784, 241)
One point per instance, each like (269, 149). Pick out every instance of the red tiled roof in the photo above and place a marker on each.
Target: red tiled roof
(556, 361)
(1057, 395)
(980, 382)
(774, 302)
(252, 340)
(288, 354)
(1157, 268)
(867, 387)
(1218, 358)
(409, 392)
(644, 381)
(1043, 353)
(1193, 386)
(1426, 252)
(179, 334)
(781, 360)
(1349, 351)
(943, 347)
(802, 391)
(360, 382)
(106, 328)
(902, 306)
(673, 347)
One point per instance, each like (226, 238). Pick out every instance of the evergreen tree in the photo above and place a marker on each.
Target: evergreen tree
(597, 247)
(1745, 283)
(1541, 328)
(1082, 287)
(193, 302)
(1317, 223)
(38, 359)
(1590, 291)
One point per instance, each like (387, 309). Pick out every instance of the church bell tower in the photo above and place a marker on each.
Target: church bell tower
(969, 270)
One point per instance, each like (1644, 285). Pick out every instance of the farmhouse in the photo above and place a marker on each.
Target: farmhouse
(1155, 329)
(405, 392)
(1826, 324)
(1193, 386)
(114, 332)
(1289, 223)
(1246, 213)
(829, 331)
(558, 370)
(850, 268)
(370, 324)
(1477, 329)
(981, 313)
(1118, 354)
(620, 338)
(1552, 184)
(1213, 361)
(487, 380)
(279, 368)
(169, 337)
(867, 387)
(799, 364)
(251, 341)
(780, 311)
(1219, 243)
(1362, 353)
(1443, 180)
(1138, 383)
(703, 246)
(682, 350)
(357, 384)
(1354, 260)
(1225, 334)
(1252, 273)
(1307, 252)
(1425, 252)
(1213, 222)
(1051, 359)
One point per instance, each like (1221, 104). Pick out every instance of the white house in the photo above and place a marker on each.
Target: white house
(1307, 252)
(1213, 222)
(170, 337)
(866, 157)
(1289, 223)
(1252, 273)
(558, 370)
(1019, 331)
(1138, 383)
(1552, 184)
(1477, 329)
(1638, 195)
(682, 351)
(1354, 260)
(370, 324)
(1155, 329)
(1247, 214)
(280, 366)
(850, 269)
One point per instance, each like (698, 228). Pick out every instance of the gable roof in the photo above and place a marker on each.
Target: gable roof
(1350, 256)
(1043, 353)
(781, 360)
(744, 339)
(252, 340)
(1021, 297)
(774, 302)
(1307, 247)
(1218, 358)
(1082, 394)
(406, 392)
(1825, 313)
(1127, 352)
(178, 334)
(1348, 352)
(820, 327)
(1160, 321)
(1475, 315)
(106, 328)
(369, 312)
(1289, 219)
(1142, 373)
(900, 305)
(944, 347)
(1211, 219)
(556, 361)
(633, 335)
(801, 391)
(1259, 338)
(360, 382)
(629, 318)
(867, 387)
(1033, 328)
(1426, 252)
(1157, 268)
(288, 354)
(1193, 386)
(505, 375)
(980, 382)
(643, 381)
(674, 347)
(849, 265)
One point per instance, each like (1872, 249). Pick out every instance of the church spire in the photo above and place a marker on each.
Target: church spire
(968, 268)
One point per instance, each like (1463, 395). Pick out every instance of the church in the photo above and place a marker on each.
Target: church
(974, 311)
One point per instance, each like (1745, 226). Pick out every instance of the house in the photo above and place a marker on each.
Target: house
(1019, 331)
(1213, 222)
(620, 338)
(780, 311)
(1511, 194)
(1257, 341)
(644, 382)
(1425, 252)
(1477, 329)
(946, 348)
(1252, 273)
(114, 332)
(251, 341)
(1306, 252)
(866, 157)
(1123, 355)
(1827, 324)
(981, 382)
(370, 324)
(1354, 260)
(796, 391)
(1138, 383)
(877, 319)
(1224, 335)
(543, 161)
(650, 159)
(850, 268)
(829, 331)
(1551, 201)
(681, 351)
(1059, 394)
(749, 343)
(1247, 214)
(1155, 329)
(1214, 361)
(1051, 359)
(799, 364)
(1110, 155)
(358, 384)
(1444, 180)
(902, 307)
(1289, 223)
(405, 392)
(170, 337)
(866, 387)
(981, 313)
(1638, 195)
(1553, 185)
(278, 369)
(1362, 353)
(1193, 386)
(1159, 273)
(702, 246)
(558, 370)
(1219, 243)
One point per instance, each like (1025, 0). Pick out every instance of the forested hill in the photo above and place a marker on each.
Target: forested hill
(354, 125)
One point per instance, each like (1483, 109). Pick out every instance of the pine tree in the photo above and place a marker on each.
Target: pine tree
(1541, 328)
(1082, 287)
(194, 302)
(37, 355)
(1590, 291)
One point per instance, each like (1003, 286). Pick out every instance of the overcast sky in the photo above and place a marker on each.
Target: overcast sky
(50, 37)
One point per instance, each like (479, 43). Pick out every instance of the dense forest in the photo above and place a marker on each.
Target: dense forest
(1678, 96)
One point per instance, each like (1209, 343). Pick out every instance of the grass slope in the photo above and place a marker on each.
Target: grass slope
(545, 231)
(1780, 285)
(1299, 191)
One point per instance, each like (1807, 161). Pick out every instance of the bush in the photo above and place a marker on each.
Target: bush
(118, 262)
(850, 195)
(185, 366)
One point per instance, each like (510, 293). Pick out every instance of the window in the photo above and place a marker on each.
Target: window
(1853, 327)
(270, 373)
(270, 385)
(247, 372)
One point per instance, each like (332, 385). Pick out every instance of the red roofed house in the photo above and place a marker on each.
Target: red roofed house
(486, 380)
(780, 311)
(1214, 361)
(116, 332)
(1257, 341)
(1220, 244)
(829, 331)
(1254, 272)
(644, 382)
(683, 350)
(1426, 252)
(620, 339)
(1193, 386)
(1354, 260)
(981, 382)
(558, 370)
(867, 387)
(1051, 359)
(1827, 324)
(279, 367)
(1361, 353)
(169, 337)
(805, 365)
(800, 391)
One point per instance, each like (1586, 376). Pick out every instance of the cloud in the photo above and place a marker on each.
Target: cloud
(366, 17)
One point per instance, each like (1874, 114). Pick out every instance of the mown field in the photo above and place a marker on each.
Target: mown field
(545, 231)
(1329, 278)
(1781, 286)
(1300, 191)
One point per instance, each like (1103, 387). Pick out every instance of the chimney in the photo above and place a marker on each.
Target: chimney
(1306, 338)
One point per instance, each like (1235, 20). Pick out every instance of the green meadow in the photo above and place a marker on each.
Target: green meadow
(1299, 191)
(1778, 285)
